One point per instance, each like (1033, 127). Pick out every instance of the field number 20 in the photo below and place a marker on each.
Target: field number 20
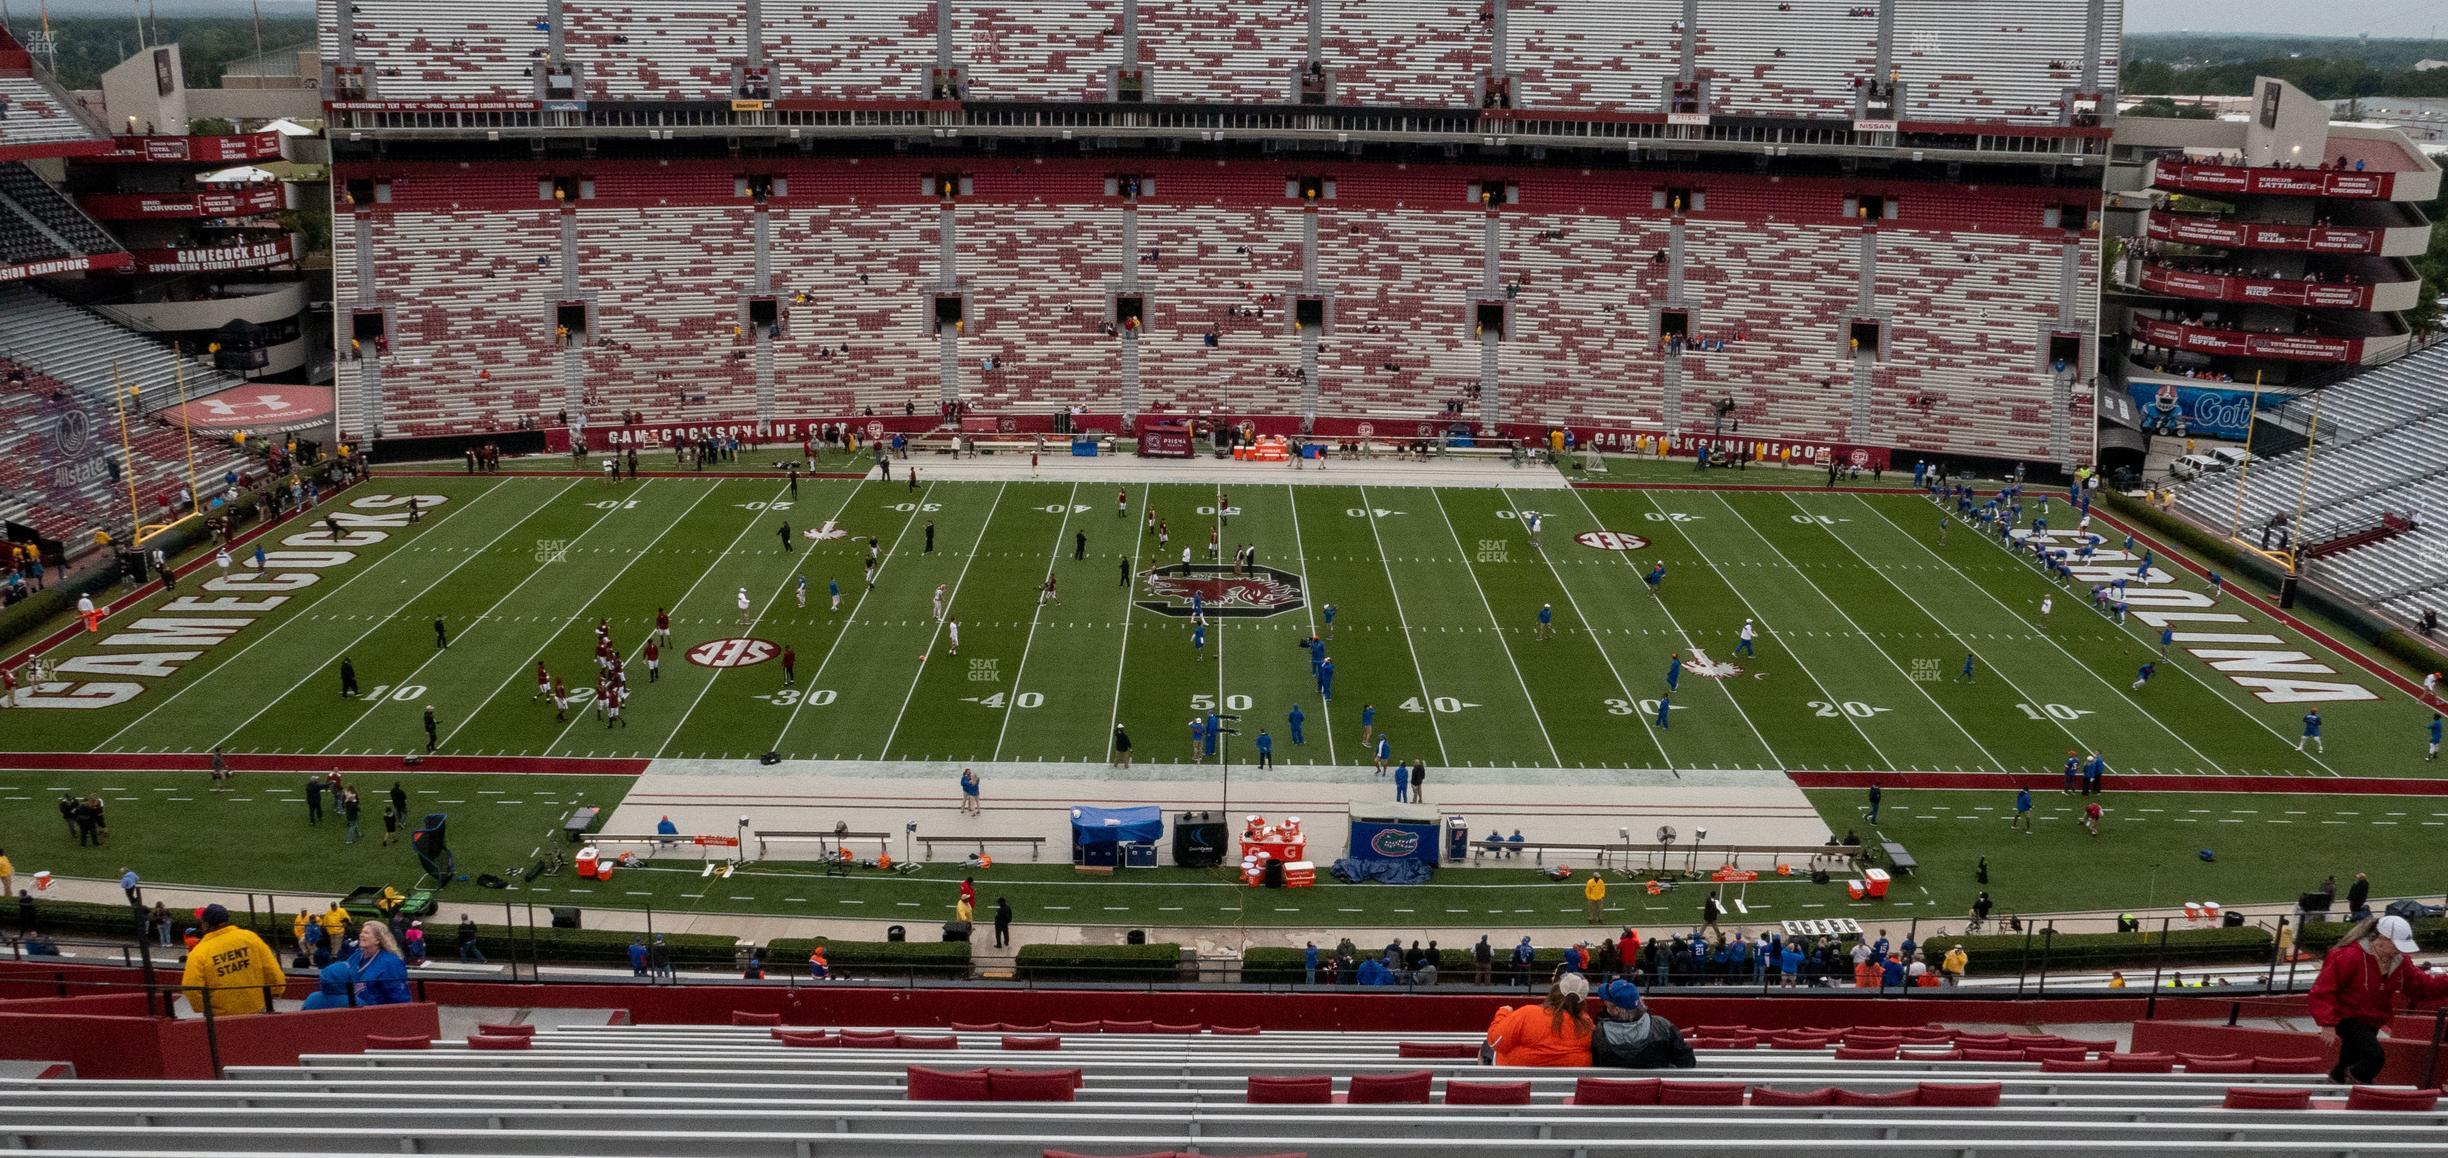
(1854, 708)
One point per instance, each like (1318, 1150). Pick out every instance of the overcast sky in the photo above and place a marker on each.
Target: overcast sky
(2380, 18)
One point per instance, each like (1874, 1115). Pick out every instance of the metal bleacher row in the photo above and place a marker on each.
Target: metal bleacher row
(1982, 60)
(1116, 1088)
(2378, 451)
(49, 214)
(31, 114)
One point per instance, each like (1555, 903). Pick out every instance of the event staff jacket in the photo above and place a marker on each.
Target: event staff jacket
(2352, 988)
(229, 970)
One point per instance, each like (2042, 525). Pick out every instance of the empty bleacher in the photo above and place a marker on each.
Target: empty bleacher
(871, 50)
(1201, 51)
(1785, 57)
(1038, 49)
(1116, 1088)
(44, 206)
(1407, 52)
(1997, 60)
(442, 49)
(472, 340)
(31, 114)
(656, 49)
(1569, 54)
(667, 286)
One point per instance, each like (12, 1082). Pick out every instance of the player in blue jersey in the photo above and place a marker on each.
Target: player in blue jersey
(2312, 733)
(1665, 705)
(2073, 770)
(1368, 723)
(2167, 639)
(1296, 717)
(1965, 676)
(2022, 817)
(2143, 674)
(1674, 670)
(1329, 611)
(2435, 737)
(1546, 620)
(1326, 679)
(1656, 579)
(1198, 640)
(1385, 752)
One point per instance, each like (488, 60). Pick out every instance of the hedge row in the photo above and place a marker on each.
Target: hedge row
(1099, 963)
(2015, 953)
(550, 946)
(873, 958)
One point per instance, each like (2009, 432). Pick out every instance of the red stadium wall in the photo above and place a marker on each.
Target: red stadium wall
(122, 1042)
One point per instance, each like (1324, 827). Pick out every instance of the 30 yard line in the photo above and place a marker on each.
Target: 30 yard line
(1536, 720)
(994, 507)
(1575, 603)
(816, 678)
(578, 611)
(382, 621)
(1011, 705)
(1309, 604)
(1403, 623)
(1807, 581)
(108, 743)
(715, 674)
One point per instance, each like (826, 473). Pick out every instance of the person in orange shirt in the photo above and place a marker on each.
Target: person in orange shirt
(1555, 1032)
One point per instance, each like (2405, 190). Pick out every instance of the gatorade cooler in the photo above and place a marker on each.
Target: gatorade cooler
(1875, 880)
(1300, 874)
(586, 862)
(603, 870)
(42, 881)
(1857, 889)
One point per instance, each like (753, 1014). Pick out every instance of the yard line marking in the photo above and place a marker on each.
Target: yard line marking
(1680, 633)
(2103, 680)
(1464, 557)
(1394, 588)
(857, 600)
(1570, 600)
(472, 556)
(951, 600)
(478, 622)
(1011, 706)
(713, 675)
(579, 612)
(276, 628)
(1309, 604)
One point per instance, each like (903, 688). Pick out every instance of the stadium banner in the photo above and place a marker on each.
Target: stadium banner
(260, 255)
(9, 273)
(263, 146)
(262, 409)
(2273, 182)
(1393, 840)
(2188, 408)
(439, 106)
(2160, 279)
(223, 202)
(2194, 229)
(789, 431)
(1165, 440)
(2291, 347)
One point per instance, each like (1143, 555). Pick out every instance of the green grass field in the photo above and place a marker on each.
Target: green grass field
(1864, 619)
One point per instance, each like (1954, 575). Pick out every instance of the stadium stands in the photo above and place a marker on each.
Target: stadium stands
(1407, 52)
(873, 50)
(755, 1090)
(1200, 51)
(31, 114)
(441, 49)
(44, 207)
(1779, 58)
(2030, 56)
(1569, 55)
(1038, 49)
(471, 344)
(656, 49)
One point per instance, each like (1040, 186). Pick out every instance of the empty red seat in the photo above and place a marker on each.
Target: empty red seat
(1008, 1027)
(966, 1027)
(1233, 1030)
(490, 1030)
(808, 1040)
(1435, 1049)
(397, 1041)
(1865, 1053)
(743, 1017)
(1980, 1041)
(2290, 1065)
(2197, 1064)
(1929, 1035)
(2097, 1065)
(1701, 1093)
(1006, 1085)
(1010, 1042)
(2140, 1063)
(869, 1038)
(934, 1041)
(1890, 1098)
(1798, 1041)
(1487, 1093)
(2377, 1098)
(2028, 1040)
(1128, 1026)
(1767, 1096)
(2093, 1046)
(1192, 1028)
(1970, 1054)
(483, 1041)
(931, 1085)
(1616, 1091)
(1078, 1026)
(1739, 1041)
(1409, 1088)
(1957, 1093)
(1306, 1090)
(2056, 1053)
(2267, 1098)
(781, 1032)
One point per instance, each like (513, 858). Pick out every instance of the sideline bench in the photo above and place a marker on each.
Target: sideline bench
(1897, 858)
(1035, 843)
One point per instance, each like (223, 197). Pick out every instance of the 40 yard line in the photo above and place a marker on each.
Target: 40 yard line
(1463, 555)
(816, 678)
(1011, 706)
(994, 507)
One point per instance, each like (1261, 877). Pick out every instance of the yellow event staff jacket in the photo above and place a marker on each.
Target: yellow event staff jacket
(229, 970)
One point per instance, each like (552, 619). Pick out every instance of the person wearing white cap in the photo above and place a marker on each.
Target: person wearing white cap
(1555, 1032)
(2358, 990)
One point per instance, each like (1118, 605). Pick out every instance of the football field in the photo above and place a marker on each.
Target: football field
(1865, 623)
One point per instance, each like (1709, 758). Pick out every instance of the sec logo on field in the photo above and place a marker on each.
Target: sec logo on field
(731, 653)
(1611, 541)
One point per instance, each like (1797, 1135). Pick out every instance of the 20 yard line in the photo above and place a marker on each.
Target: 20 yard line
(1404, 624)
(993, 506)
(381, 621)
(1011, 706)
(1575, 604)
(1325, 707)
(715, 674)
(295, 618)
(1437, 501)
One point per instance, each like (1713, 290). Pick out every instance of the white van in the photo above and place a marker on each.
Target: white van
(2231, 456)
(2195, 465)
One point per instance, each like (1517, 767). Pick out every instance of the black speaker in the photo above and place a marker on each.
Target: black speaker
(956, 931)
(2233, 920)
(564, 917)
(896, 933)
(1135, 937)
(1198, 840)
(2315, 902)
(1819, 876)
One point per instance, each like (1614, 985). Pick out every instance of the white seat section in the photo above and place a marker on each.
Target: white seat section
(867, 270)
(1996, 60)
(1038, 49)
(1970, 312)
(35, 116)
(1784, 57)
(1400, 345)
(1212, 260)
(669, 335)
(1590, 54)
(1779, 294)
(656, 49)
(1037, 276)
(432, 49)
(1407, 52)
(1580, 351)
(473, 293)
(870, 50)
(1198, 50)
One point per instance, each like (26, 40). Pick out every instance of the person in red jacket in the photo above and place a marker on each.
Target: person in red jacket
(2357, 993)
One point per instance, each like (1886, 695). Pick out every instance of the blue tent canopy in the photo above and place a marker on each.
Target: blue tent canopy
(1089, 825)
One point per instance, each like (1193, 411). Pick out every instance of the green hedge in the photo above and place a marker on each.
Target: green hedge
(873, 958)
(2005, 954)
(1099, 963)
(2322, 936)
(84, 919)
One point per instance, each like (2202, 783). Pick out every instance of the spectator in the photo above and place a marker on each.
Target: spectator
(1555, 1032)
(819, 969)
(1309, 962)
(1002, 923)
(468, 950)
(1483, 962)
(2356, 993)
(1953, 964)
(1523, 956)
(659, 960)
(230, 972)
(164, 925)
(637, 956)
(1593, 892)
(375, 971)
(2358, 898)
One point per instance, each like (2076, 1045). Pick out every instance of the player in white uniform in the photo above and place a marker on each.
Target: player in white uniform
(939, 602)
(743, 606)
(953, 625)
(802, 591)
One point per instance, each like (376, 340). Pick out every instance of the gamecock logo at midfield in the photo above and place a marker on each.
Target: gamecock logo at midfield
(1257, 592)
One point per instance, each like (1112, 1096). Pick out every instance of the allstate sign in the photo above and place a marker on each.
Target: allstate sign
(2223, 412)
